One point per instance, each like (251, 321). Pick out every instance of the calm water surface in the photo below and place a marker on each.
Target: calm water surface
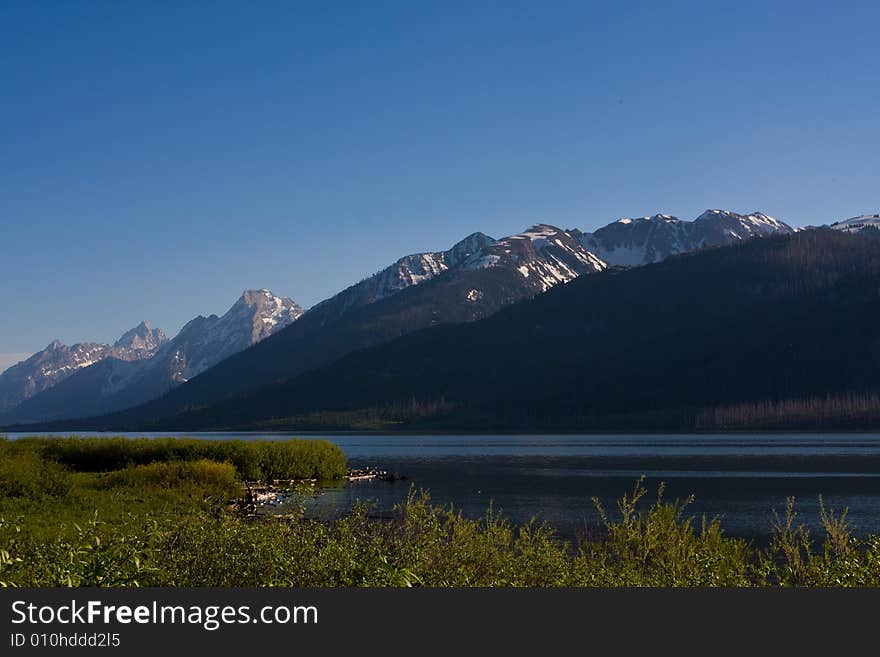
(740, 478)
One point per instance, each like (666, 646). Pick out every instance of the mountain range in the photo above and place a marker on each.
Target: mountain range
(58, 361)
(143, 364)
(469, 282)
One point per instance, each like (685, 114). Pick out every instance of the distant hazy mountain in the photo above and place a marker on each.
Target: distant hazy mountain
(471, 280)
(775, 333)
(652, 239)
(117, 381)
(58, 361)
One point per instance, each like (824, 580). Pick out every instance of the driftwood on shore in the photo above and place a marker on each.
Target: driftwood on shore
(373, 473)
(260, 495)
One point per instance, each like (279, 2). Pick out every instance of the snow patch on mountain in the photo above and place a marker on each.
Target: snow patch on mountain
(864, 222)
(544, 254)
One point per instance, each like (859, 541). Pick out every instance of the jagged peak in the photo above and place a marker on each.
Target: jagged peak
(715, 214)
(145, 334)
(464, 249)
(249, 295)
(261, 297)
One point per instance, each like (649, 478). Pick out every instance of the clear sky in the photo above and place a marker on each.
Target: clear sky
(157, 158)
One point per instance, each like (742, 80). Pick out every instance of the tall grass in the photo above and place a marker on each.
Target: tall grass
(253, 459)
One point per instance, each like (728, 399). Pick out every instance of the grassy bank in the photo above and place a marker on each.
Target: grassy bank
(72, 516)
(253, 459)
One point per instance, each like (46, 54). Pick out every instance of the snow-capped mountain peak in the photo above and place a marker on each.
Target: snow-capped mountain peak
(546, 253)
(271, 312)
(714, 214)
(543, 254)
(205, 341)
(406, 272)
(651, 239)
(464, 249)
(142, 338)
(754, 222)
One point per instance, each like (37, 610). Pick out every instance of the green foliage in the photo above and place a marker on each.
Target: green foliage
(427, 545)
(660, 547)
(839, 560)
(27, 475)
(216, 480)
(92, 557)
(254, 459)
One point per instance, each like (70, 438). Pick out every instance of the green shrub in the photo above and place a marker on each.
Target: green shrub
(218, 480)
(27, 475)
(659, 546)
(94, 556)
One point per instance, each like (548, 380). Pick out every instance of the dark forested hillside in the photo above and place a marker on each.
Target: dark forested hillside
(699, 341)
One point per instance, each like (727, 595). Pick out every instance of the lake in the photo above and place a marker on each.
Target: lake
(740, 478)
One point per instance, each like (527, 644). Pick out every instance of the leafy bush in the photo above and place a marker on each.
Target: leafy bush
(659, 546)
(27, 475)
(216, 480)
(94, 556)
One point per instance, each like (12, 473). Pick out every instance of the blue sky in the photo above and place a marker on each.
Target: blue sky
(158, 158)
